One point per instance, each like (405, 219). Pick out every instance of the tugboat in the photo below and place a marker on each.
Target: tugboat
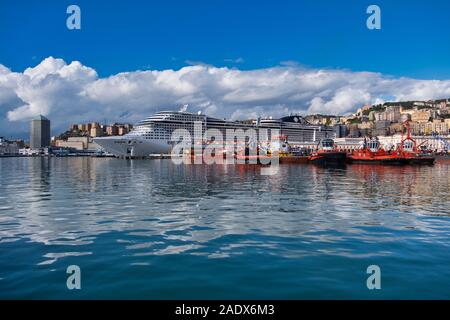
(371, 152)
(409, 150)
(328, 154)
(287, 154)
(279, 146)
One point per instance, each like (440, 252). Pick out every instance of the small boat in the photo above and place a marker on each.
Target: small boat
(328, 154)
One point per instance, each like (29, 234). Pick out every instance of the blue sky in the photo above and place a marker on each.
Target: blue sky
(119, 36)
(226, 58)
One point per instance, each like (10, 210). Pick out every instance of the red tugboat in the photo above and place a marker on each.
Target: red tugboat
(328, 154)
(409, 150)
(373, 153)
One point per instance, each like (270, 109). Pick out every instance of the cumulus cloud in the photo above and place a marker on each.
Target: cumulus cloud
(73, 93)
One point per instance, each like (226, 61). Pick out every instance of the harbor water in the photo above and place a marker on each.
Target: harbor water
(151, 229)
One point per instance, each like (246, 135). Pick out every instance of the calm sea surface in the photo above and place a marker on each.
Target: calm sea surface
(152, 229)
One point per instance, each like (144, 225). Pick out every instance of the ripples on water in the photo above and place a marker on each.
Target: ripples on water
(151, 229)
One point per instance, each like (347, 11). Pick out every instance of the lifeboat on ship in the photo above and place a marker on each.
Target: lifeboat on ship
(372, 152)
(328, 154)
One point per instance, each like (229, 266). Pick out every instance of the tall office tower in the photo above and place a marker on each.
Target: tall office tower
(40, 133)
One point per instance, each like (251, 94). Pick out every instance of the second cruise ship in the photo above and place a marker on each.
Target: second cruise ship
(153, 135)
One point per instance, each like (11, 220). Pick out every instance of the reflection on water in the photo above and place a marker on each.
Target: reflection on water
(68, 206)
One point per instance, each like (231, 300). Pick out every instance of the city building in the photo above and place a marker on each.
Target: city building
(40, 133)
(388, 142)
(381, 128)
(123, 130)
(447, 121)
(353, 131)
(421, 116)
(396, 128)
(432, 127)
(380, 116)
(393, 113)
(78, 143)
(112, 130)
(340, 130)
(96, 130)
(432, 143)
(8, 147)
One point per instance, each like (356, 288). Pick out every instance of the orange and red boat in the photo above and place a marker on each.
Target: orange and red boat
(406, 152)
(409, 150)
(371, 152)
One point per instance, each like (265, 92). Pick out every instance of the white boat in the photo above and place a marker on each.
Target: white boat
(153, 135)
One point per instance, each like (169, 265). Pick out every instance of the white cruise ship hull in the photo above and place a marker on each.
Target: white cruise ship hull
(135, 147)
(152, 135)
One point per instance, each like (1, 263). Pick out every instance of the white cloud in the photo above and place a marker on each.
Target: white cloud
(71, 93)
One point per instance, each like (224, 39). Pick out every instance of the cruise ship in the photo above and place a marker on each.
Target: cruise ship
(153, 134)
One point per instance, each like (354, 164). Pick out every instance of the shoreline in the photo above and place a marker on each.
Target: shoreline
(438, 158)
